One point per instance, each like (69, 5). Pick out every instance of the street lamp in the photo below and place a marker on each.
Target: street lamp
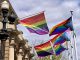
(4, 10)
(6, 17)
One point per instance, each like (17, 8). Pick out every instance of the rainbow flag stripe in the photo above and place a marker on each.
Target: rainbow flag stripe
(59, 49)
(43, 53)
(61, 27)
(36, 24)
(44, 49)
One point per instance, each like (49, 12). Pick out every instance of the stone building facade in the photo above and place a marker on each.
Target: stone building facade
(15, 47)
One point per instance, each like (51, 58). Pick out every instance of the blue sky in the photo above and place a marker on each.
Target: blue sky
(55, 12)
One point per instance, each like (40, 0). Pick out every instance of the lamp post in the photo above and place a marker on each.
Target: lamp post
(3, 31)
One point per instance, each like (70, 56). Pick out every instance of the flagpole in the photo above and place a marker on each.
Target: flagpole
(75, 50)
(75, 57)
(52, 49)
(68, 53)
(71, 45)
(50, 57)
(71, 52)
(34, 52)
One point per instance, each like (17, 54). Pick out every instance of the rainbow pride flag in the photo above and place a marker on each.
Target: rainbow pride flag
(59, 49)
(61, 27)
(59, 39)
(44, 49)
(36, 24)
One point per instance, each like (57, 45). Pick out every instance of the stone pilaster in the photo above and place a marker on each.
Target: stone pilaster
(6, 54)
(20, 54)
(11, 50)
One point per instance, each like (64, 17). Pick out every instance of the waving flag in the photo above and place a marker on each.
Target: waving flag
(59, 49)
(61, 27)
(44, 49)
(36, 24)
(59, 39)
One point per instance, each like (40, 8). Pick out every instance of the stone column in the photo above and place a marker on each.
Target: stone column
(11, 50)
(20, 54)
(6, 54)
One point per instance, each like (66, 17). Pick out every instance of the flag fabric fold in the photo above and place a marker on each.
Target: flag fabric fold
(43, 53)
(62, 27)
(36, 24)
(59, 49)
(44, 49)
(59, 39)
